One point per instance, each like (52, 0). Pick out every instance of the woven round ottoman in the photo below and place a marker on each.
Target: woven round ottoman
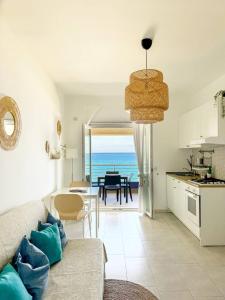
(126, 290)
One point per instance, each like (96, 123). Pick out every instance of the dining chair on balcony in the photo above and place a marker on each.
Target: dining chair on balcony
(101, 181)
(112, 183)
(128, 188)
(72, 207)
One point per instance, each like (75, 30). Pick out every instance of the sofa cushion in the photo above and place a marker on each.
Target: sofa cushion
(48, 240)
(50, 221)
(32, 265)
(16, 223)
(11, 286)
(80, 274)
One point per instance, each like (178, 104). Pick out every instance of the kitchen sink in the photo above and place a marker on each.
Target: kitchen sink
(184, 173)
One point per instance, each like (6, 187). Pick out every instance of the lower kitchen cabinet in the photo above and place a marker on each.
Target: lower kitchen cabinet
(176, 197)
(177, 202)
(200, 208)
(171, 186)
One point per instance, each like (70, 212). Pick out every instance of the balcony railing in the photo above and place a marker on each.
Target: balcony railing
(129, 170)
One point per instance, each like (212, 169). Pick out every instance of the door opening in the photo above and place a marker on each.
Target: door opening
(110, 153)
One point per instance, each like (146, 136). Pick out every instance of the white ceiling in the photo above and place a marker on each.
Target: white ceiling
(91, 46)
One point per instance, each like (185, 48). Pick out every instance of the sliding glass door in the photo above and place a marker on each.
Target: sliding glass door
(147, 170)
(143, 136)
(87, 153)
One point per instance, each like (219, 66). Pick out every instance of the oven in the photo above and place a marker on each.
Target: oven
(193, 207)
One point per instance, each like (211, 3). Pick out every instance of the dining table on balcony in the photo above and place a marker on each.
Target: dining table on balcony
(124, 180)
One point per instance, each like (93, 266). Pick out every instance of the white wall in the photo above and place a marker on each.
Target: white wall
(83, 108)
(207, 93)
(167, 157)
(26, 173)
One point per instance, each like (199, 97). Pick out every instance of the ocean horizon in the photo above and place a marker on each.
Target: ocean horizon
(123, 162)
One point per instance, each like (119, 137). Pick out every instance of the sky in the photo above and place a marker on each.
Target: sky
(103, 144)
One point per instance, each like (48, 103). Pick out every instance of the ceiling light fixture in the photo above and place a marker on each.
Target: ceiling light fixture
(146, 97)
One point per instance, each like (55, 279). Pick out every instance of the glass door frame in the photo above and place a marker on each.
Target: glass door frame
(86, 149)
(93, 125)
(150, 176)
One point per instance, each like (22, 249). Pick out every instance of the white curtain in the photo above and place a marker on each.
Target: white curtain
(142, 141)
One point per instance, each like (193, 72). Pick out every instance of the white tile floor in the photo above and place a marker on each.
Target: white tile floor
(163, 256)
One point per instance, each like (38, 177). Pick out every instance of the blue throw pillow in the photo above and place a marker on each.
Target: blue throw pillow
(48, 240)
(50, 221)
(32, 265)
(11, 286)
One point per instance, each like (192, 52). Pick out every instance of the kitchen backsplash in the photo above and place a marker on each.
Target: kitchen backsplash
(217, 160)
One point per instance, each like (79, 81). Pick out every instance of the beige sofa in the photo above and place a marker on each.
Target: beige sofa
(80, 274)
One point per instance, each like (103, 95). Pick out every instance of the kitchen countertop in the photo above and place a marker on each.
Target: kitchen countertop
(187, 179)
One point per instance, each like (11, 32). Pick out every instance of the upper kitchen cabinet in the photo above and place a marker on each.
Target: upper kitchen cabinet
(184, 131)
(203, 125)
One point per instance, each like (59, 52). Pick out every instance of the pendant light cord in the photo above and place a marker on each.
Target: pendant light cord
(146, 62)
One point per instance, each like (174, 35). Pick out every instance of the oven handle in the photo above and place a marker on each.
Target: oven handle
(191, 193)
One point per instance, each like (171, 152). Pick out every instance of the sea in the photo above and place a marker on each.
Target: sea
(124, 163)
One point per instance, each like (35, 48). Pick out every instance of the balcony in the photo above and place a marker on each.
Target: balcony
(129, 170)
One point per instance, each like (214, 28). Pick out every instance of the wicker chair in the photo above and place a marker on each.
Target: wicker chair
(71, 207)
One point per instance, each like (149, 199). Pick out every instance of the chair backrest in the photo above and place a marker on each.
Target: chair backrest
(112, 172)
(112, 180)
(80, 184)
(66, 203)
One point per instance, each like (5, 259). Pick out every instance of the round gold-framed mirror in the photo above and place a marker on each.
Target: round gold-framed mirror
(59, 128)
(10, 123)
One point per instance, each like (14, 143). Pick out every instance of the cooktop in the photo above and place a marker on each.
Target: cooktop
(209, 181)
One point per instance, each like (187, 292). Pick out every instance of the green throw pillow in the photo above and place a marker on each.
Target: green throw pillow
(49, 242)
(11, 286)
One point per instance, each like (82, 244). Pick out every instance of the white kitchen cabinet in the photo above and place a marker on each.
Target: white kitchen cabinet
(177, 202)
(184, 131)
(209, 121)
(180, 202)
(171, 186)
(210, 228)
(176, 197)
(202, 125)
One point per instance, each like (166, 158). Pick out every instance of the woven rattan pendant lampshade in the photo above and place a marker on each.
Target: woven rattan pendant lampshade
(146, 97)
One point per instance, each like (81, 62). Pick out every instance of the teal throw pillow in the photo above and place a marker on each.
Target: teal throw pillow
(49, 242)
(11, 286)
(50, 221)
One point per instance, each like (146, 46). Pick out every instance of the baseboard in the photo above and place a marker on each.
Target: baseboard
(159, 210)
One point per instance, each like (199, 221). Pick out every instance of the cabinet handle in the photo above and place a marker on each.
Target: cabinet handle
(187, 146)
